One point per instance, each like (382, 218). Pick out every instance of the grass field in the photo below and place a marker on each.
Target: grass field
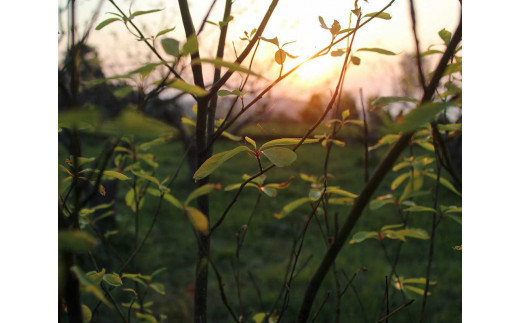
(268, 244)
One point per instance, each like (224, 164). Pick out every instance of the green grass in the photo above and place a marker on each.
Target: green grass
(267, 246)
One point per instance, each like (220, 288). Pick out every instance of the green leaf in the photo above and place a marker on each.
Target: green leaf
(381, 201)
(146, 317)
(141, 12)
(158, 287)
(386, 140)
(89, 287)
(421, 115)
(269, 191)
(106, 22)
(198, 220)
(444, 182)
(171, 46)
(123, 92)
(203, 190)
(382, 15)
(412, 186)
(113, 280)
(391, 226)
(229, 65)
(212, 163)
(386, 100)
(191, 46)
(259, 317)
(419, 208)
(399, 180)
(286, 142)
(445, 36)
(233, 187)
(96, 276)
(355, 60)
(376, 50)
(280, 56)
(188, 88)
(116, 175)
(144, 70)
(165, 31)
(167, 196)
(230, 136)
(430, 52)
(426, 145)
(362, 236)
(75, 241)
(280, 156)
(414, 233)
(451, 209)
(251, 141)
(338, 191)
(315, 194)
(87, 313)
(291, 207)
(421, 281)
(272, 41)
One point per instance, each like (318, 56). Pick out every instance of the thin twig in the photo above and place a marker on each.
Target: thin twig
(396, 311)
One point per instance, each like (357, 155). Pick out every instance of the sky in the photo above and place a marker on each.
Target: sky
(292, 20)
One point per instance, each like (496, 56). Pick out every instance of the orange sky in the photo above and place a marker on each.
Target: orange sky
(294, 20)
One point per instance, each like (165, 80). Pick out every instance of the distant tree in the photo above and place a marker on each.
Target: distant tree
(313, 109)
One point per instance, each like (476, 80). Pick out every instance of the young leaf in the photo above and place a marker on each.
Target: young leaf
(143, 12)
(322, 23)
(355, 60)
(89, 287)
(399, 180)
(418, 208)
(337, 191)
(237, 186)
(337, 53)
(188, 88)
(86, 312)
(198, 220)
(445, 36)
(280, 56)
(382, 15)
(362, 236)
(415, 289)
(291, 207)
(167, 196)
(269, 191)
(391, 226)
(230, 136)
(113, 280)
(286, 142)
(114, 174)
(455, 218)
(272, 41)
(381, 201)
(164, 31)
(251, 141)
(158, 287)
(335, 28)
(171, 46)
(203, 190)
(444, 182)
(215, 161)
(280, 156)
(95, 276)
(376, 50)
(229, 65)
(149, 318)
(106, 22)
(414, 233)
(191, 46)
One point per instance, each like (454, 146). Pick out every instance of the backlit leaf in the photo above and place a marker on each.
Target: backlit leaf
(229, 65)
(167, 196)
(272, 41)
(322, 23)
(113, 280)
(386, 100)
(291, 207)
(445, 36)
(143, 12)
(280, 56)
(280, 156)
(251, 141)
(200, 191)
(286, 142)
(376, 50)
(188, 88)
(381, 15)
(88, 286)
(191, 46)
(75, 241)
(338, 191)
(419, 208)
(198, 220)
(116, 175)
(106, 22)
(87, 313)
(171, 46)
(355, 60)
(399, 180)
(96, 276)
(444, 182)
(158, 287)
(362, 236)
(164, 31)
(212, 163)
